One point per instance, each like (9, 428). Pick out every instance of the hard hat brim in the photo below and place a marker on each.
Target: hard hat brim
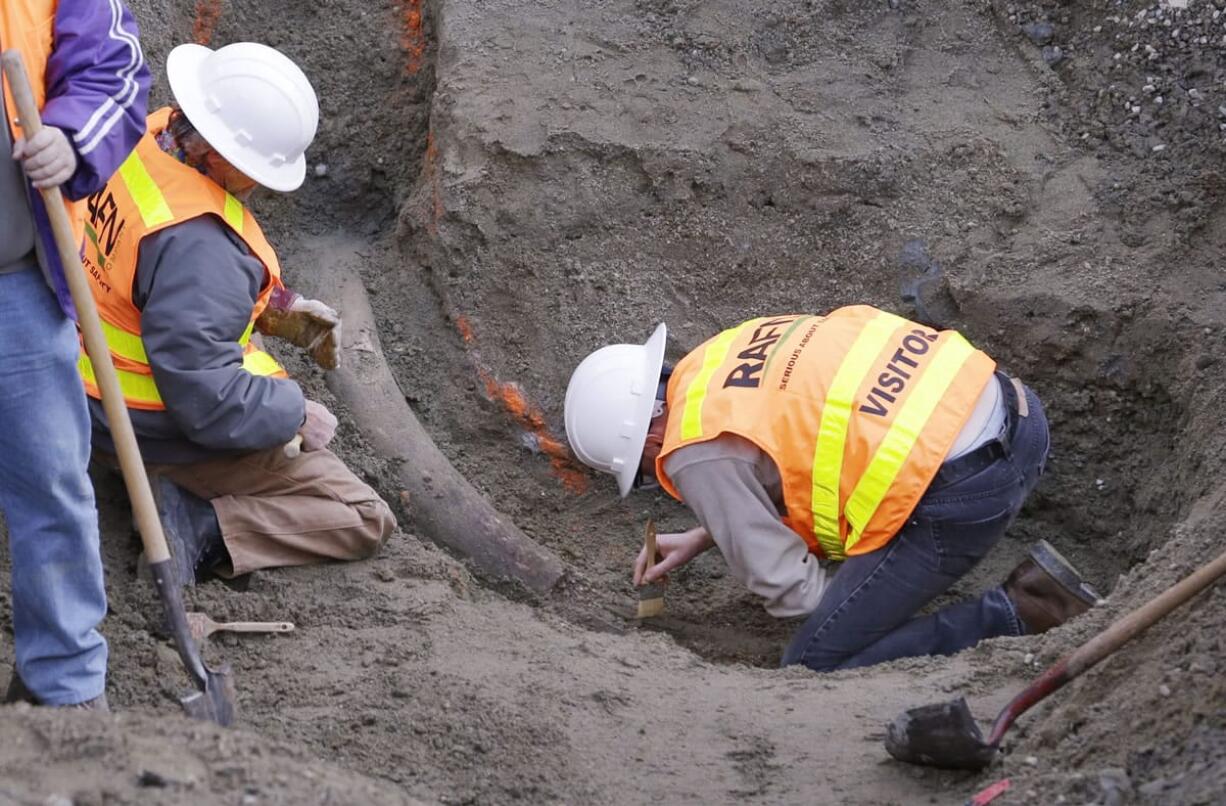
(183, 74)
(653, 363)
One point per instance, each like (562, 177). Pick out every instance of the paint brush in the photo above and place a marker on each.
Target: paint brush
(651, 595)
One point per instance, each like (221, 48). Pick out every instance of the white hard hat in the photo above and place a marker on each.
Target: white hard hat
(252, 104)
(609, 401)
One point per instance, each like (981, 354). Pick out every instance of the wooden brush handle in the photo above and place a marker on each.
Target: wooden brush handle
(293, 447)
(649, 541)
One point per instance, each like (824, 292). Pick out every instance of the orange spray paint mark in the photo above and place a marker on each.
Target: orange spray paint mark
(526, 416)
(208, 12)
(465, 327)
(414, 39)
(430, 174)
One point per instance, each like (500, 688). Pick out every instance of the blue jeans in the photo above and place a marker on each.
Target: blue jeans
(867, 615)
(48, 501)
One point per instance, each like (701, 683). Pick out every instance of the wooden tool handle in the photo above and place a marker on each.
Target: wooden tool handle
(1141, 619)
(649, 541)
(293, 447)
(1106, 642)
(91, 328)
(256, 626)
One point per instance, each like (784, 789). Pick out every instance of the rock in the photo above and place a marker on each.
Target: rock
(1039, 33)
(1053, 55)
(1152, 788)
(149, 778)
(1116, 786)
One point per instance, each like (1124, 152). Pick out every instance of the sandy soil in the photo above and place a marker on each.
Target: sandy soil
(520, 182)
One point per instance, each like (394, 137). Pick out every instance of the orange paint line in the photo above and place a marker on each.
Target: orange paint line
(208, 12)
(465, 327)
(527, 416)
(414, 39)
(430, 173)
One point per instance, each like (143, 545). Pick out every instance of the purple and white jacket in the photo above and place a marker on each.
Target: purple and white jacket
(97, 87)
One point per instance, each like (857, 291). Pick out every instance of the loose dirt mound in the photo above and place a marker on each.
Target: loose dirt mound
(520, 183)
(48, 758)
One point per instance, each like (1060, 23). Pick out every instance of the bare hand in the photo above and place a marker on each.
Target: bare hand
(319, 428)
(47, 158)
(677, 549)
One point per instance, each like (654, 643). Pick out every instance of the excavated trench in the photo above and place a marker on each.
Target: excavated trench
(517, 188)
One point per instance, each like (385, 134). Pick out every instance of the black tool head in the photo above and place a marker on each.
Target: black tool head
(941, 735)
(217, 702)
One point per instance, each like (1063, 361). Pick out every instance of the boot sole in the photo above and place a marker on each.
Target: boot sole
(1062, 571)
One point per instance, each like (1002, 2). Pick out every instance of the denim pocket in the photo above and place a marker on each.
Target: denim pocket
(962, 543)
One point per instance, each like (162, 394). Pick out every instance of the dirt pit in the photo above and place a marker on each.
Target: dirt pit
(519, 183)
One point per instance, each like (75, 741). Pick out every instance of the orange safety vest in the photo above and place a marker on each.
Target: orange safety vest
(858, 410)
(29, 28)
(151, 191)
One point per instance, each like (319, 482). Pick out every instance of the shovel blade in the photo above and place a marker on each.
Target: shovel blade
(941, 735)
(216, 703)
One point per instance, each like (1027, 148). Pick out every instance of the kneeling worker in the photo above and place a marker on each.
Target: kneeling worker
(860, 438)
(182, 275)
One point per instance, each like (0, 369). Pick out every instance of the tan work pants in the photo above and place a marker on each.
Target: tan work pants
(275, 511)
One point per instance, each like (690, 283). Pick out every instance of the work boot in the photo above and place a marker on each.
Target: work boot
(1047, 591)
(17, 692)
(193, 534)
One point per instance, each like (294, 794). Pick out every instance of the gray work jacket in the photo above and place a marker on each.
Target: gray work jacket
(196, 284)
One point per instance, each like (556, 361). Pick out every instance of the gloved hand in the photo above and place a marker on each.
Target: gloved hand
(318, 428)
(306, 323)
(47, 158)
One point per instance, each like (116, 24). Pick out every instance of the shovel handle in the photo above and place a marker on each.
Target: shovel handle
(91, 328)
(1100, 646)
(134, 476)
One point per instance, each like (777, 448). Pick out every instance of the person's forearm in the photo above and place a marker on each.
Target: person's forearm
(801, 597)
(97, 89)
(701, 532)
(760, 550)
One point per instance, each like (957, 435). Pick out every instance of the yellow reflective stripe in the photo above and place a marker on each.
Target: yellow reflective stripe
(124, 344)
(894, 449)
(144, 191)
(136, 388)
(130, 346)
(696, 392)
(233, 213)
(832, 432)
(260, 363)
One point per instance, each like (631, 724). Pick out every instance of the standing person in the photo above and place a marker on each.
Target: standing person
(182, 275)
(90, 83)
(857, 438)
